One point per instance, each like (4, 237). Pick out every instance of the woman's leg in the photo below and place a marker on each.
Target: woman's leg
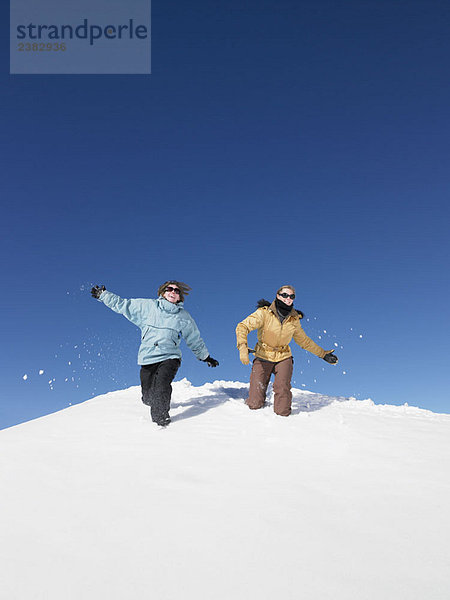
(161, 390)
(147, 372)
(282, 387)
(259, 380)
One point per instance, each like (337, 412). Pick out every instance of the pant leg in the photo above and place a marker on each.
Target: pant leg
(259, 380)
(161, 389)
(282, 387)
(147, 373)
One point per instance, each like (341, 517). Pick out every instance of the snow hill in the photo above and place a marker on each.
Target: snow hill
(342, 500)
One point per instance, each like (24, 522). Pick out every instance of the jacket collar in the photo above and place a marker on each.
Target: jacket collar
(273, 308)
(169, 307)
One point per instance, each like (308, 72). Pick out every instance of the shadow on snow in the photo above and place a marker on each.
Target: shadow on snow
(301, 401)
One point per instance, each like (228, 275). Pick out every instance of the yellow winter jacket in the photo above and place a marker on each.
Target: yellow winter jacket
(273, 336)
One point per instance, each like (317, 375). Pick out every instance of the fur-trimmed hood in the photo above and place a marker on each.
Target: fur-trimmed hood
(262, 303)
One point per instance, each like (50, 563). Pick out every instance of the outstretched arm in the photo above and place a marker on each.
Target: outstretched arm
(307, 343)
(133, 309)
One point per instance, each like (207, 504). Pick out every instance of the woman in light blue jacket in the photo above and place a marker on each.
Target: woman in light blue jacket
(163, 322)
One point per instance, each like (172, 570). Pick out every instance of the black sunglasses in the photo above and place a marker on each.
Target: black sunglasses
(169, 288)
(284, 295)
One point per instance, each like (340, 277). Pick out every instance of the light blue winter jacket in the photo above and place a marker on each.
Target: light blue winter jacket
(162, 325)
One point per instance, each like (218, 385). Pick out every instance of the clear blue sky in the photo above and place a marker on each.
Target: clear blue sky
(274, 142)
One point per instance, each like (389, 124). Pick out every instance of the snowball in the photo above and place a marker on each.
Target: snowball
(41, 372)
(25, 377)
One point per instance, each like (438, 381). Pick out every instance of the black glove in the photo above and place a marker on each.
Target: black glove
(97, 290)
(331, 358)
(211, 362)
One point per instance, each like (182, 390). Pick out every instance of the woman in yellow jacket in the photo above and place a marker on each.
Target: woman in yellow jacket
(277, 324)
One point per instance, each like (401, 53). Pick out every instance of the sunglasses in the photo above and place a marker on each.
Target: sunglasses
(284, 295)
(169, 288)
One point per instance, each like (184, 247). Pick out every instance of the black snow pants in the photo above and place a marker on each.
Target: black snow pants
(156, 388)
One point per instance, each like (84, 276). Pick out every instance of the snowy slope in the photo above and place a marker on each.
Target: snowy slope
(342, 500)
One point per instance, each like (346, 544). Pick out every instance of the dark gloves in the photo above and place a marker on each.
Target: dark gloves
(211, 362)
(331, 358)
(97, 290)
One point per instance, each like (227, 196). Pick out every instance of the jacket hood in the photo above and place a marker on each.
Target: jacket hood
(262, 303)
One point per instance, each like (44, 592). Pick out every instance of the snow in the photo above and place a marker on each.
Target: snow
(343, 499)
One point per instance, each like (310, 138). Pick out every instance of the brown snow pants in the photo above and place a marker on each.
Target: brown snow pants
(259, 380)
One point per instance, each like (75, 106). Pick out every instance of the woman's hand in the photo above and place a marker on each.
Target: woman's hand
(243, 355)
(331, 358)
(211, 362)
(97, 291)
